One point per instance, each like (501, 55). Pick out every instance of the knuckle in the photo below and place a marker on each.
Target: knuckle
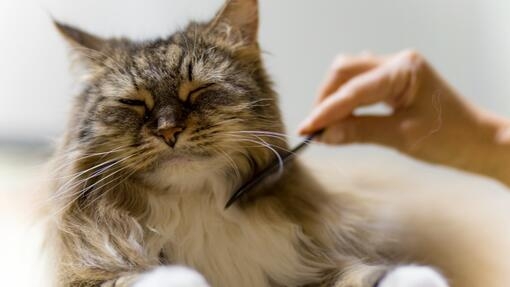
(411, 54)
(408, 128)
(413, 57)
(340, 61)
(411, 133)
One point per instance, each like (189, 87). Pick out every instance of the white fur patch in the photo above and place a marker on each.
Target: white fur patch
(174, 276)
(230, 248)
(413, 276)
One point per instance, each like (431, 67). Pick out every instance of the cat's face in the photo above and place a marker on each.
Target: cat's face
(199, 95)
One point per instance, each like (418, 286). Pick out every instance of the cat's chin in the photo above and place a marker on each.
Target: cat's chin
(182, 169)
(179, 160)
(178, 165)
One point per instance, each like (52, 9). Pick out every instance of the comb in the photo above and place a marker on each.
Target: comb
(269, 170)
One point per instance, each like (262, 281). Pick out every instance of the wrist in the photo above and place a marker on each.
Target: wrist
(494, 158)
(501, 153)
(470, 138)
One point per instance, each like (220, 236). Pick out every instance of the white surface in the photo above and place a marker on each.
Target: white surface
(467, 40)
(413, 276)
(174, 276)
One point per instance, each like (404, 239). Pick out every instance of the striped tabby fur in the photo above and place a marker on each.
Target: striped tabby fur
(125, 202)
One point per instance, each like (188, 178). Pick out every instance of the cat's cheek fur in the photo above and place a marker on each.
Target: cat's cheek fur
(413, 276)
(173, 276)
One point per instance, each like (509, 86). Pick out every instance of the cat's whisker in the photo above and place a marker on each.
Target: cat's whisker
(237, 146)
(262, 140)
(286, 150)
(264, 132)
(263, 100)
(283, 136)
(64, 186)
(269, 147)
(227, 121)
(65, 155)
(75, 195)
(67, 186)
(255, 136)
(104, 193)
(259, 135)
(73, 161)
(254, 103)
(231, 162)
(100, 172)
(101, 166)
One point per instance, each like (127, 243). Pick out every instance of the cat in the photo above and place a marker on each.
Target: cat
(162, 134)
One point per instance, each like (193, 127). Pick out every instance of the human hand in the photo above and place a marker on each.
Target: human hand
(430, 120)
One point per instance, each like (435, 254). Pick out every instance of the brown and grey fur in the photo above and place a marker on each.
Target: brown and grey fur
(125, 202)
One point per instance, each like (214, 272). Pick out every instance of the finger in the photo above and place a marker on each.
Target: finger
(383, 130)
(383, 83)
(358, 91)
(343, 69)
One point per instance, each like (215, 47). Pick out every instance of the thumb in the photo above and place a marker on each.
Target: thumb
(383, 130)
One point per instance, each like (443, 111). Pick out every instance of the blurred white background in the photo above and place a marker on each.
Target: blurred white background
(468, 41)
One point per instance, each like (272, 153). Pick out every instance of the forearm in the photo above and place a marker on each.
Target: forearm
(494, 160)
(465, 136)
(479, 144)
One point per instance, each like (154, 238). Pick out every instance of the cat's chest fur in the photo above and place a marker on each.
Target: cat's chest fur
(229, 247)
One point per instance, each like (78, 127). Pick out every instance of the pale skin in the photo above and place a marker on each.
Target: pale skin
(430, 120)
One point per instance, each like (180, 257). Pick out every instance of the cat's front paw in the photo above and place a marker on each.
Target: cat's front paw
(413, 276)
(171, 276)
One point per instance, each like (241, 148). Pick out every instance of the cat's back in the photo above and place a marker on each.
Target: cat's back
(437, 216)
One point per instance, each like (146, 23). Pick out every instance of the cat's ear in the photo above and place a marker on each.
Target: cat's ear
(240, 15)
(90, 50)
(80, 39)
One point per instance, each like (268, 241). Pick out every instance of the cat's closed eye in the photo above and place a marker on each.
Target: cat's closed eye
(130, 102)
(139, 105)
(195, 93)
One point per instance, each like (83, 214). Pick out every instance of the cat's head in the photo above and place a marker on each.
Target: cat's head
(199, 98)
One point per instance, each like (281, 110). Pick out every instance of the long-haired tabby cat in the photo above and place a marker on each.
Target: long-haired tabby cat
(162, 134)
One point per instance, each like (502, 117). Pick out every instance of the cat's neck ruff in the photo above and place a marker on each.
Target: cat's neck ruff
(211, 179)
(189, 223)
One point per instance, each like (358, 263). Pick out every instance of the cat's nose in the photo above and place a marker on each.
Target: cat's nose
(169, 134)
